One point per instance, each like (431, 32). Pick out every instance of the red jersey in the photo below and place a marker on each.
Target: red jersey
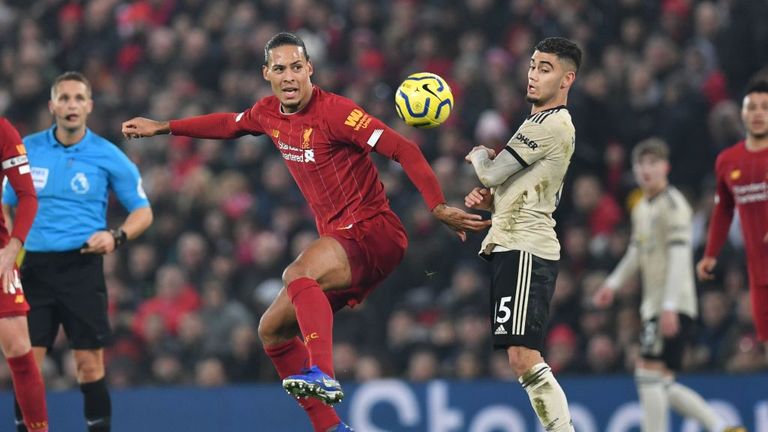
(742, 183)
(325, 146)
(15, 167)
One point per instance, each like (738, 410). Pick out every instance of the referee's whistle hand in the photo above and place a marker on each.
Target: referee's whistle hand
(101, 242)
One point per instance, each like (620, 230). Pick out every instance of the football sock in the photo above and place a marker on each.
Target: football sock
(547, 398)
(315, 320)
(688, 403)
(30, 392)
(289, 358)
(653, 400)
(97, 406)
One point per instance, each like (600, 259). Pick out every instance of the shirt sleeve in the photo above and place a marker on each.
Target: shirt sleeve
(531, 142)
(722, 213)
(493, 172)
(15, 166)
(628, 266)
(677, 223)
(125, 181)
(351, 124)
(219, 125)
(9, 195)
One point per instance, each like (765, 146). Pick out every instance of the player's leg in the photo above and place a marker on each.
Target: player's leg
(759, 298)
(28, 384)
(323, 266)
(91, 377)
(302, 308)
(684, 400)
(651, 390)
(41, 322)
(521, 289)
(279, 331)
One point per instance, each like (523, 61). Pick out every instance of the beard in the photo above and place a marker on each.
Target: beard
(532, 99)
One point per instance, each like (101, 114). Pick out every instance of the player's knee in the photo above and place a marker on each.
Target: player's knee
(521, 360)
(16, 346)
(266, 330)
(295, 270)
(89, 371)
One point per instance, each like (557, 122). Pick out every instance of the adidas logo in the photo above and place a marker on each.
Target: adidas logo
(500, 330)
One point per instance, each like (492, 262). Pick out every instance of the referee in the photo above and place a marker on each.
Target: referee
(73, 170)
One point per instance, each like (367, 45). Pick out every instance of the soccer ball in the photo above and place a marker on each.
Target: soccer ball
(423, 100)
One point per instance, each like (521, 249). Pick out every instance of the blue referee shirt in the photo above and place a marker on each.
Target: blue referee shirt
(72, 185)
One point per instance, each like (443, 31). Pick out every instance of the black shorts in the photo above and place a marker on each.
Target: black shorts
(670, 351)
(521, 290)
(68, 289)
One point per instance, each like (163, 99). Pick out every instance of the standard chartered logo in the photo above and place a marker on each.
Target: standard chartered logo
(387, 405)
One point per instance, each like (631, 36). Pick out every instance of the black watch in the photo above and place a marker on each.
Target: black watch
(120, 237)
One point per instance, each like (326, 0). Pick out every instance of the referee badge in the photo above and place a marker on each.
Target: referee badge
(80, 184)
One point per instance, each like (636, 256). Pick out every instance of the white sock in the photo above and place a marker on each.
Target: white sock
(653, 400)
(547, 398)
(688, 403)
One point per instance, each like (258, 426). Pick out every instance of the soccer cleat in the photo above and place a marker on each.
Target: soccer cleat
(314, 383)
(729, 429)
(341, 427)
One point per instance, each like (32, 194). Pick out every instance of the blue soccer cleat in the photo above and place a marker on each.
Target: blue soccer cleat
(341, 427)
(314, 383)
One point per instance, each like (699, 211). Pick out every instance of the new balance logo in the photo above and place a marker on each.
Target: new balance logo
(500, 330)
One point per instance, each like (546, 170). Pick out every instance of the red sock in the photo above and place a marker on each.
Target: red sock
(30, 391)
(315, 320)
(288, 358)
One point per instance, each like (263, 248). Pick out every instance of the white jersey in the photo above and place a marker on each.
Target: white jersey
(524, 202)
(661, 250)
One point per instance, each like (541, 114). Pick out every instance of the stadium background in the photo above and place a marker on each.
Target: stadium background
(185, 297)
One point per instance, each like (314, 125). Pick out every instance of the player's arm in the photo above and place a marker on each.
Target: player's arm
(395, 147)
(15, 166)
(125, 181)
(208, 126)
(719, 224)
(531, 142)
(349, 123)
(627, 268)
(677, 225)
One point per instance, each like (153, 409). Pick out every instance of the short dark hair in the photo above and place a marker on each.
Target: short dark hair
(758, 84)
(284, 38)
(563, 48)
(70, 76)
(651, 146)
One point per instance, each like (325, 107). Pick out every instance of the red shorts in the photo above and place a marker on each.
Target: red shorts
(13, 304)
(759, 299)
(374, 248)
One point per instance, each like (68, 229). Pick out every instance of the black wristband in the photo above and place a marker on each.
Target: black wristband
(120, 236)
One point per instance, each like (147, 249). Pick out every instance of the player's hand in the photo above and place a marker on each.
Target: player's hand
(603, 297)
(459, 220)
(491, 153)
(704, 268)
(8, 273)
(479, 198)
(101, 242)
(670, 323)
(139, 127)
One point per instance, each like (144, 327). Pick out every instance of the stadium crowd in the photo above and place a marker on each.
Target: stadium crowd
(186, 297)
